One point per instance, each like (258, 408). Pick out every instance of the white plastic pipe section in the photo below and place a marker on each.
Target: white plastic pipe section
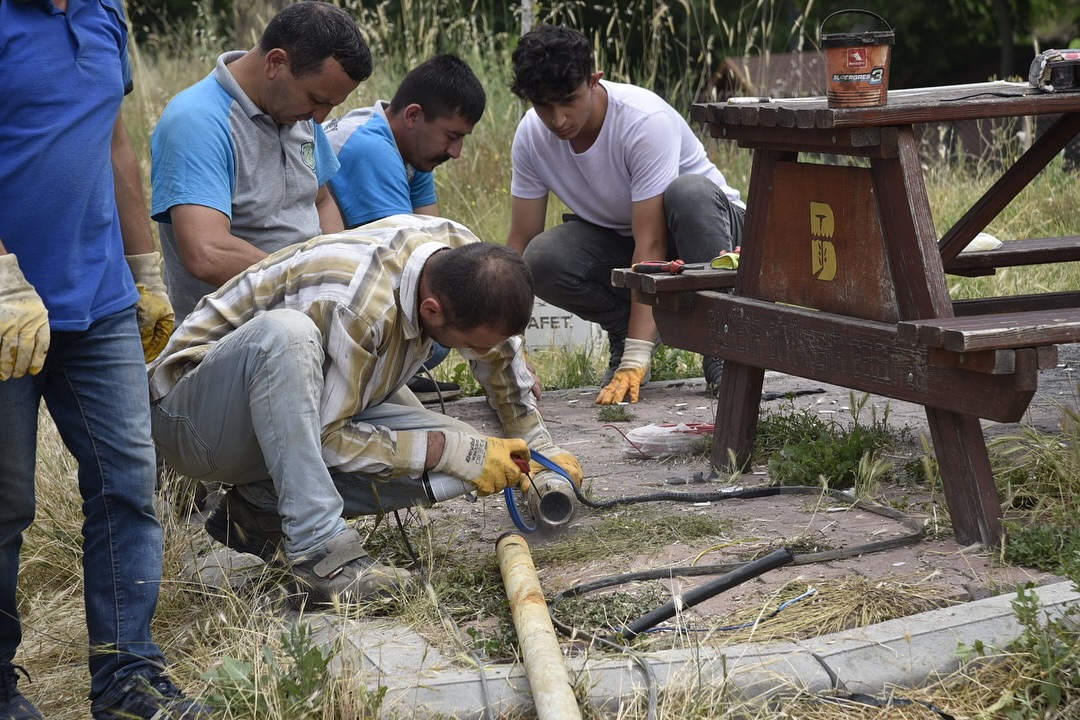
(552, 692)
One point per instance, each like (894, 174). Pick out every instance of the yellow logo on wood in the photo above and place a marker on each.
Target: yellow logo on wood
(822, 252)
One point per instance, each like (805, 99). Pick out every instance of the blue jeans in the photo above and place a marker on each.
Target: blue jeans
(571, 263)
(94, 386)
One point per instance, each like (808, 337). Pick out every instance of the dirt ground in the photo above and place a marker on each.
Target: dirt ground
(936, 565)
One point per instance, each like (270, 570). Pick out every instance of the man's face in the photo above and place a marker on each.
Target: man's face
(567, 116)
(290, 99)
(479, 340)
(429, 144)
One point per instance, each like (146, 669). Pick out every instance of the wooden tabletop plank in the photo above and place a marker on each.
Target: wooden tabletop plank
(945, 103)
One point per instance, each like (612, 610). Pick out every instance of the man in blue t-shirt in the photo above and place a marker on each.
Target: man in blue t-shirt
(75, 330)
(239, 160)
(388, 152)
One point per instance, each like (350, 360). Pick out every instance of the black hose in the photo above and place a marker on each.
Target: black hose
(747, 571)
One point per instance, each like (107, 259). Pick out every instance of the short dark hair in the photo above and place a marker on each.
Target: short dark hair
(444, 86)
(311, 31)
(550, 63)
(482, 285)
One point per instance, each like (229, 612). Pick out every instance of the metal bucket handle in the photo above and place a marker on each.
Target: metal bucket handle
(821, 28)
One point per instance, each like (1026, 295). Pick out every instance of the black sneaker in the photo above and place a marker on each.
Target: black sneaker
(713, 369)
(427, 390)
(13, 704)
(154, 698)
(238, 524)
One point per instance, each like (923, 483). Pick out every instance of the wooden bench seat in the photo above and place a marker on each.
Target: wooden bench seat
(1036, 251)
(686, 281)
(998, 331)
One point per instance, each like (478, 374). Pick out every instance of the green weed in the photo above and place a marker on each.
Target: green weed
(614, 413)
(800, 448)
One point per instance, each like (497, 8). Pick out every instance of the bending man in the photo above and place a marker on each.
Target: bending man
(284, 384)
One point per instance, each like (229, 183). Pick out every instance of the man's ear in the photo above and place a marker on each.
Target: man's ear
(412, 114)
(431, 309)
(594, 79)
(275, 62)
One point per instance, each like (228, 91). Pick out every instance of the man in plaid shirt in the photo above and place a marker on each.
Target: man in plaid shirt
(284, 384)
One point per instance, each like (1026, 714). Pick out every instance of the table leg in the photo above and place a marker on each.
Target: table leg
(959, 444)
(966, 477)
(737, 415)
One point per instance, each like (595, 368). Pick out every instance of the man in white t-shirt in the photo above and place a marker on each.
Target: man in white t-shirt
(637, 182)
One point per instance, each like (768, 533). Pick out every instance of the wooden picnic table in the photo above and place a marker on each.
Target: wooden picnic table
(842, 277)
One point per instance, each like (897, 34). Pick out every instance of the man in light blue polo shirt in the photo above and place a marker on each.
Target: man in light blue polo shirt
(388, 153)
(239, 160)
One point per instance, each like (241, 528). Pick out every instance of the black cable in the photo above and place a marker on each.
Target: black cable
(916, 527)
(736, 577)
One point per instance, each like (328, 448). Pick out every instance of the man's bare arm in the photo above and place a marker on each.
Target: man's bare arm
(649, 225)
(330, 218)
(208, 249)
(526, 221)
(130, 198)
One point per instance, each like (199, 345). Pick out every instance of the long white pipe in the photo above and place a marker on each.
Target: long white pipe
(544, 666)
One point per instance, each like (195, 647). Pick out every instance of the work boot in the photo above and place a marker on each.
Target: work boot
(13, 704)
(345, 572)
(713, 369)
(240, 525)
(154, 698)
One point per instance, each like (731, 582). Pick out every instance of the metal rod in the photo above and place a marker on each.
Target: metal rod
(552, 692)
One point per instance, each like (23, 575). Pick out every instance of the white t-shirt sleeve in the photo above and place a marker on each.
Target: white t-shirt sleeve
(652, 156)
(525, 181)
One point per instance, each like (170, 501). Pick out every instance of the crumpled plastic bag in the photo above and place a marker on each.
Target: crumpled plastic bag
(983, 241)
(655, 441)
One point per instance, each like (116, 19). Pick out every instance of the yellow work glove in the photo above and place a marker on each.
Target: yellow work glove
(154, 311)
(636, 358)
(24, 323)
(560, 457)
(727, 260)
(484, 462)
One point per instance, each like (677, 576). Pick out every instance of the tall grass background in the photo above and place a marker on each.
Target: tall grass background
(198, 627)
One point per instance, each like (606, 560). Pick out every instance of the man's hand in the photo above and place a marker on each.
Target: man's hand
(154, 311)
(634, 366)
(560, 457)
(485, 462)
(24, 323)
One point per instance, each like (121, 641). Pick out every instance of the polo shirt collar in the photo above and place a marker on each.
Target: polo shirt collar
(225, 77)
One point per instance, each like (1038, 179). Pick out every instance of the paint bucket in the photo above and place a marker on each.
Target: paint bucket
(857, 64)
